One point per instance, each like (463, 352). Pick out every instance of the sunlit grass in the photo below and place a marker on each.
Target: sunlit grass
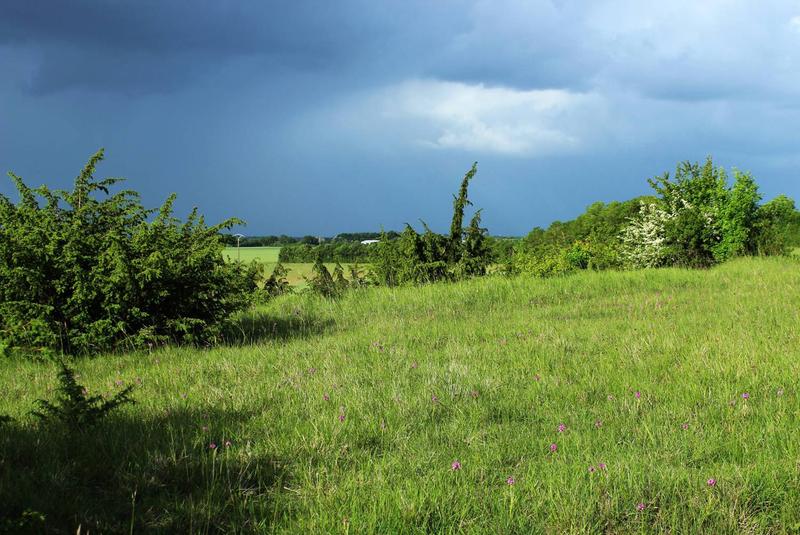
(347, 416)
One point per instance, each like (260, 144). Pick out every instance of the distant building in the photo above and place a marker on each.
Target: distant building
(369, 242)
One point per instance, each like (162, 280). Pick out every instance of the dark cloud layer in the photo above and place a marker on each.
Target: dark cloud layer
(330, 116)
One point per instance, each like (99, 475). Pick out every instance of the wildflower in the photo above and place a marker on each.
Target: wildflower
(685, 425)
(640, 506)
(598, 424)
(537, 377)
(118, 382)
(228, 443)
(341, 417)
(326, 397)
(212, 446)
(510, 481)
(591, 469)
(610, 397)
(779, 392)
(711, 482)
(745, 395)
(455, 466)
(562, 428)
(602, 466)
(553, 447)
(434, 399)
(638, 394)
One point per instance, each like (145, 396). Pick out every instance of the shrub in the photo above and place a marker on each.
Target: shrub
(415, 258)
(89, 270)
(73, 406)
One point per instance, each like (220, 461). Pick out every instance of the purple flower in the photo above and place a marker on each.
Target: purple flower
(341, 417)
(118, 382)
(434, 399)
(746, 395)
(711, 482)
(602, 466)
(510, 481)
(638, 394)
(212, 446)
(553, 447)
(326, 397)
(562, 428)
(640, 506)
(685, 425)
(455, 466)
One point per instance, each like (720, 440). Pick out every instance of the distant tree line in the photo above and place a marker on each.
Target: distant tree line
(281, 241)
(696, 218)
(345, 251)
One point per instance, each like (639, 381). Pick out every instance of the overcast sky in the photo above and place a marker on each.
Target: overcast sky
(334, 116)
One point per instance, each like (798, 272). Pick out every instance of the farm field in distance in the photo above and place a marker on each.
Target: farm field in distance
(269, 257)
(652, 401)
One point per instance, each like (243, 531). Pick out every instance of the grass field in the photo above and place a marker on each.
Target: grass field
(660, 401)
(269, 257)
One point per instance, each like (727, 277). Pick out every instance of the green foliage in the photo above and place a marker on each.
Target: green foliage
(73, 407)
(777, 226)
(321, 281)
(277, 283)
(86, 271)
(328, 252)
(415, 258)
(460, 202)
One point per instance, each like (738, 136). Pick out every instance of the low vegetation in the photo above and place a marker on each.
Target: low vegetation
(611, 402)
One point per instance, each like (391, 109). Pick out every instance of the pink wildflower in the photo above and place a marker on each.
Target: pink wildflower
(510, 481)
(553, 447)
(455, 466)
(640, 506)
(711, 482)
(562, 428)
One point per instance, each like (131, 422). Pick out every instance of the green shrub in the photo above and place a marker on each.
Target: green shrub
(74, 408)
(89, 270)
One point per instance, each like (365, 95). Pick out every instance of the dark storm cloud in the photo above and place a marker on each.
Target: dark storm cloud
(321, 117)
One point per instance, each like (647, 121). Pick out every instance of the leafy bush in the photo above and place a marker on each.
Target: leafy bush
(73, 406)
(86, 271)
(329, 252)
(415, 258)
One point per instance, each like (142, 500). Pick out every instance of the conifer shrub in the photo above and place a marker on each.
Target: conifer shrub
(89, 270)
(74, 407)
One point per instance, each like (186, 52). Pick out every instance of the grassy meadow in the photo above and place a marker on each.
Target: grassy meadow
(655, 401)
(269, 257)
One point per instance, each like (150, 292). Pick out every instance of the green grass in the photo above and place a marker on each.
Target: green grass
(266, 255)
(298, 272)
(482, 372)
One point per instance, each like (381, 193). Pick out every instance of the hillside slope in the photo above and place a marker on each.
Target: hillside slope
(597, 402)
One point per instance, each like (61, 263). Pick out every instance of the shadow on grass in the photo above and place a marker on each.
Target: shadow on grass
(152, 474)
(253, 327)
